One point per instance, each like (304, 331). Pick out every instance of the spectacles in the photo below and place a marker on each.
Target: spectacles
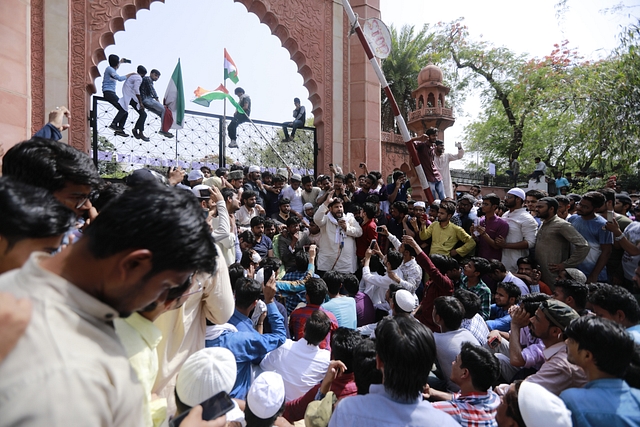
(195, 287)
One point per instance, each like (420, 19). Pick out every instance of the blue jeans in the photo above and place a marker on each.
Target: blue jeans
(437, 189)
(154, 106)
(294, 125)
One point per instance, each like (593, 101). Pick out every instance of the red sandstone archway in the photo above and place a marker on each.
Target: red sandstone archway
(304, 28)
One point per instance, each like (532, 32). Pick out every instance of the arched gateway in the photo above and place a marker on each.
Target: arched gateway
(64, 41)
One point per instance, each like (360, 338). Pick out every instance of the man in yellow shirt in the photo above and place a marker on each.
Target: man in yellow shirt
(445, 236)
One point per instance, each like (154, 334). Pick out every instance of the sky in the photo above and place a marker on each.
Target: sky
(197, 31)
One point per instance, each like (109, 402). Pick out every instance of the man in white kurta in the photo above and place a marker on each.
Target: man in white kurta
(338, 233)
(442, 161)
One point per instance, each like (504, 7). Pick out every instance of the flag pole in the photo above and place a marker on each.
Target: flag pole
(268, 142)
(223, 141)
(355, 26)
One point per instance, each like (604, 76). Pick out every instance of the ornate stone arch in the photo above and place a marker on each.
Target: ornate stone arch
(305, 29)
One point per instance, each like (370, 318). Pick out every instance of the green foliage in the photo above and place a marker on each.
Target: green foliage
(111, 168)
(574, 114)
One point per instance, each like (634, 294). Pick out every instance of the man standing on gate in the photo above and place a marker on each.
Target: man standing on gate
(238, 117)
(442, 161)
(299, 117)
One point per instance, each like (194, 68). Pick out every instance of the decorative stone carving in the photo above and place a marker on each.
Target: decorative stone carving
(37, 64)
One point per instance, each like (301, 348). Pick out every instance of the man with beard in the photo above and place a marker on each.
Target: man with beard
(311, 192)
(250, 208)
(368, 184)
(293, 192)
(561, 246)
(338, 233)
(507, 295)
(324, 182)
(549, 322)
(522, 230)
(442, 161)
(284, 211)
(229, 246)
(489, 228)
(272, 196)
(253, 183)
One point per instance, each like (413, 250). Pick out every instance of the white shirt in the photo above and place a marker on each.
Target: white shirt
(448, 346)
(522, 226)
(376, 285)
(510, 278)
(69, 368)
(130, 89)
(295, 198)
(442, 163)
(329, 250)
(541, 166)
(300, 364)
(243, 217)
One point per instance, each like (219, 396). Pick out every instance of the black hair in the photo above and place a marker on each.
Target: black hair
(159, 219)
(227, 193)
(114, 60)
(611, 345)
(245, 259)
(481, 265)
(343, 343)
(268, 222)
(106, 194)
(266, 174)
(497, 265)
(339, 176)
(527, 260)
(596, 199)
(247, 236)
(551, 203)
(306, 179)
(483, 366)
(30, 212)
(220, 172)
(279, 178)
(394, 258)
(333, 279)
(401, 207)
(317, 327)
(608, 193)
(284, 201)
(316, 290)
(371, 177)
(255, 421)
(531, 302)
(292, 220)
(396, 175)
(247, 292)
(578, 291)
(365, 371)
(302, 260)
(511, 400)
(563, 200)
(614, 298)
(49, 164)
(432, 131)
(238, 90)
(450, 310)
(535, 193)
(141, 70)
(154, 71)
(236, 272)
(443, 263)
(408, 350)
(351, 284)
(296, 100)
(512, 290)
(372, 198)
(449, 207)
(256, 221)
(471, 302)
(247, 194)
(492, 199)
(370, 210)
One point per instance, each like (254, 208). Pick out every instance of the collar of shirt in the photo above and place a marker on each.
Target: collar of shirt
(54, 288)
(549, 352)
(147, 330)
(380, 389)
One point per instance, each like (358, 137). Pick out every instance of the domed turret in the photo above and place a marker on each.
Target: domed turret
(430, 74)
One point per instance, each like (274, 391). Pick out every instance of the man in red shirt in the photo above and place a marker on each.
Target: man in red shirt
(369, 226)
(316, 292)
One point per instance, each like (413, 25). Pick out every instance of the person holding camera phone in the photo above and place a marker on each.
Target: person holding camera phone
(109, 85)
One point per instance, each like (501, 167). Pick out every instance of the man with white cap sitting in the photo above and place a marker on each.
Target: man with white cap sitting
(526, 404)
(265, 400)
(253, 183)
(206, 373)
(522, 230)
(293, 192)
(195, 177)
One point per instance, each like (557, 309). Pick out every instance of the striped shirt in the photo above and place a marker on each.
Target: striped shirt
(472, 409)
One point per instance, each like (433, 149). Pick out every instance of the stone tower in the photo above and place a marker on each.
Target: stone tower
(430, 103)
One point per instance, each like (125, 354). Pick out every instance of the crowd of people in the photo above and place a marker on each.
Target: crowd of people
(336, 300)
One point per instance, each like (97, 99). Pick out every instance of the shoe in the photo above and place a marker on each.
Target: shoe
(114, 126)
(165, 134)
(142, 137)
(120, 132)
(286, 140)
(233, 144)
(136, 133)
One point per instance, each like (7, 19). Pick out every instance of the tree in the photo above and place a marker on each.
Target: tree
(410, 52)
(110, 168)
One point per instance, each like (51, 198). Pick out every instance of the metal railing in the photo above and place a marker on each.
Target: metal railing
(201, 142)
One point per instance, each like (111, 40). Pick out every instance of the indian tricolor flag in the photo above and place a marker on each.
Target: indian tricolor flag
(204, 97)
(174, 101)
(230, 70)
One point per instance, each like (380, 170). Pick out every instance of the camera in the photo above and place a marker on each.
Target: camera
(126, 61)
